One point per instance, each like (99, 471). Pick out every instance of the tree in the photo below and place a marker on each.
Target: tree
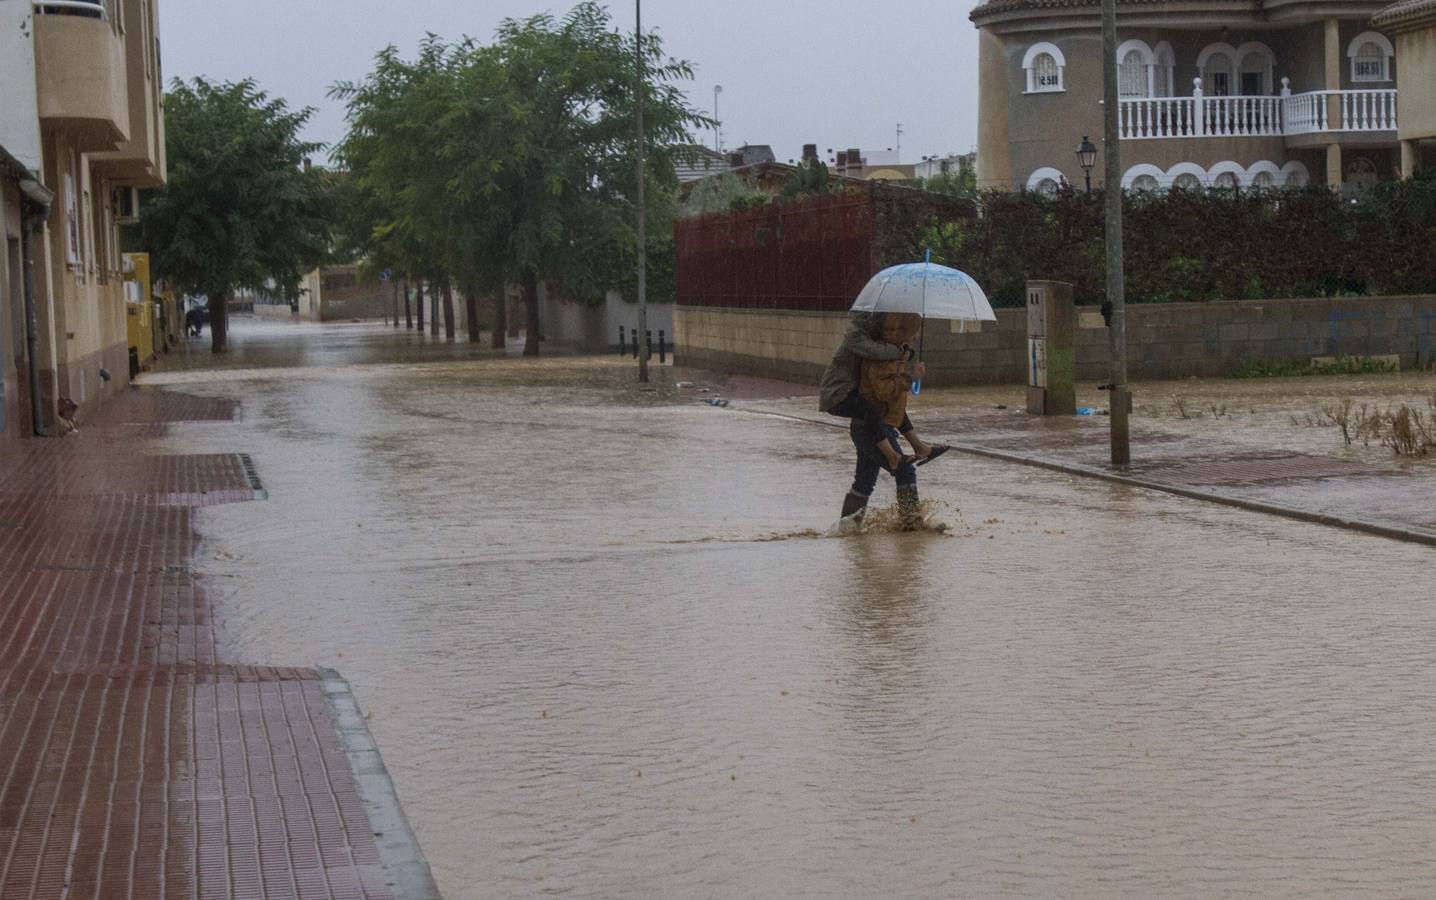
(242, 208)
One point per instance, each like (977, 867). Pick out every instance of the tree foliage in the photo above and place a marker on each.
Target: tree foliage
(241, 209)
(515, 162)
(1202, 244)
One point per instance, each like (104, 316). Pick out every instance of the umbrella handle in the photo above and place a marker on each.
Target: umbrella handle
(916, 386)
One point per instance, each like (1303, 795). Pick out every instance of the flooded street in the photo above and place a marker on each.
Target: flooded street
(605, 652)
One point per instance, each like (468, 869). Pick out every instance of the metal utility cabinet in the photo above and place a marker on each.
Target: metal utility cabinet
(1051, 349)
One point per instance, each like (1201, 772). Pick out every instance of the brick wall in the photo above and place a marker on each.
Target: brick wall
(1165, 340)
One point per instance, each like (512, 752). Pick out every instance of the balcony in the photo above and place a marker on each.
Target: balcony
(80, 72)
(1289, 115)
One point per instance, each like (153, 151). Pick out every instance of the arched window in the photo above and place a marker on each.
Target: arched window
(1163, 67)
(1370, 54)
(1044, 66)
(1295, 175)
(1146, 184)
(1186, 182)
(1045, 180)
(1257, 65)
(1134, 67)
(1217, 75)
(1263, 181)
(1227, 180)
(1132, 75)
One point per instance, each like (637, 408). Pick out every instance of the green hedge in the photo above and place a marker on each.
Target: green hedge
(1201, 245)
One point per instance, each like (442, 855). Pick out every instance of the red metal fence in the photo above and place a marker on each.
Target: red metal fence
(812, 253)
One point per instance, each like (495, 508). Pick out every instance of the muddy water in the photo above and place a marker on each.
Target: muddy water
(597, 668)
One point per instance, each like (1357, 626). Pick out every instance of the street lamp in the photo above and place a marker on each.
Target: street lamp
(1087, 158)
(717, 123)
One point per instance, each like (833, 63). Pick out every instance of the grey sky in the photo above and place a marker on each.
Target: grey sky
(841, 73)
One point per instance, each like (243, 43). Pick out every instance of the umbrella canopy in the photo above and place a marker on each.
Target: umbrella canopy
(931, 291)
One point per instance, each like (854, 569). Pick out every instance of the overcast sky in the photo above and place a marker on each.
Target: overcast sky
(840, 74)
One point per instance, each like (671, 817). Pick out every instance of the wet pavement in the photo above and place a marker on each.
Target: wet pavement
(607, 652)
(136, 760)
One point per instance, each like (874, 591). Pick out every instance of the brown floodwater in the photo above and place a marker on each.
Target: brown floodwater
(607, 652)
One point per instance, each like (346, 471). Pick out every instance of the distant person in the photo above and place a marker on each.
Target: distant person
(194, 321)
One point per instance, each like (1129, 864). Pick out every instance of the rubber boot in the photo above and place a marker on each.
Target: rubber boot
(909, 513)
(854, 505)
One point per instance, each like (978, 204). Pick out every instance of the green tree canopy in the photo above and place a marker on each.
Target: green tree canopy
(515, 162)
(241, 208)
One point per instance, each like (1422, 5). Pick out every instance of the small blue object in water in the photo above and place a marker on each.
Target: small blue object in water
(1086, 411)
(714, 401)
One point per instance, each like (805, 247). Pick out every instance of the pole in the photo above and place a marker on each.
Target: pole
(642, 210)
(717, 124)
(1121, 395)
(29, 225)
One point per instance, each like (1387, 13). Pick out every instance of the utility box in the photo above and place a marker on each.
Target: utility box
(1051, 349)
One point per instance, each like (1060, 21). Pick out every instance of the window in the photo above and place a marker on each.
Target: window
(1255, 75)
(1165, 64)
(1146, 184)
(1132, 75)
(1226, 180)
(1047, 181)
(1296, 178)
(1217, 76)
(1370, 54)
(1186, 182)
(1044, 66)
(1263, 181)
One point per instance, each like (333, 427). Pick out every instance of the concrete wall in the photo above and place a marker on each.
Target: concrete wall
(1166, 340)
(1416, 110)
(594, 329)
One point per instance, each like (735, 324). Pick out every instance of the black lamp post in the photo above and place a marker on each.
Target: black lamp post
(1087, 158)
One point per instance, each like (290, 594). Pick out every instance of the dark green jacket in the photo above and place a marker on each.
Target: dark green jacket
(841, 377)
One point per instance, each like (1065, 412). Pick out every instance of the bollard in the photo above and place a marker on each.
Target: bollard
(649, 344)
(662, 352)
(635, 343)
(622, 341)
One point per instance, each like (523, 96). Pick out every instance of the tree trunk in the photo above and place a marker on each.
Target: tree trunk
(408, 310)
(419, 302)
(219, 321)
(501, 320)
(510, 317)
(433, 309)
(448, 310)
(395, 283)
(531, 300)
(471, 313)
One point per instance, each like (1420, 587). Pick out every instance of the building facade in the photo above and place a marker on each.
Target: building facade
(1412, 23)
(1212, 93)
(82, 100)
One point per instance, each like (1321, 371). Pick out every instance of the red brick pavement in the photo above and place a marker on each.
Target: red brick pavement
(133, 762)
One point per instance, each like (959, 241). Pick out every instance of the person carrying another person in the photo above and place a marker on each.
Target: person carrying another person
(868, 383)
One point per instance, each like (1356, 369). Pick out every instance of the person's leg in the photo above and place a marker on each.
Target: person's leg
(861, 411)
(909, 511)
(865, 476)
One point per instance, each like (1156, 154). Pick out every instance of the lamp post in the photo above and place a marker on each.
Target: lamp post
(1087, 158)
(1121, 394)
(717, 124)
(642, 211)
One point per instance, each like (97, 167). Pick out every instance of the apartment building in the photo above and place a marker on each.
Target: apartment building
(81, 101)
(1212, 93)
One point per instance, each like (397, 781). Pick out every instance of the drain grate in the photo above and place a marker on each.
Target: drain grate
(252, 474)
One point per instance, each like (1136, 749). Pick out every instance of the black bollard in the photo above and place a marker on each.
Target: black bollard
(635, 343)
(649, 344)
(662, 351)
(622, 341)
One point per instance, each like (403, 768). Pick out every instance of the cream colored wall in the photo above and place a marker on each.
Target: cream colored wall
(994, 159)
(779, 336)
(1416, 109)
(81, 78)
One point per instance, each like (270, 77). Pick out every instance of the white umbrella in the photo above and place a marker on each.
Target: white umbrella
(930, 291)
(933, 292)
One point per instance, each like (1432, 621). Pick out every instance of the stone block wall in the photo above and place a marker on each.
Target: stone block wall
(1164, 340)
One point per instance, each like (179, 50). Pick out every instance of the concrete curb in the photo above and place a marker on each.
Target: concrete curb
(1365, 526)
(409, 875)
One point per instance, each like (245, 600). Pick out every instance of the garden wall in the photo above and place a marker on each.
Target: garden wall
(1169, 340)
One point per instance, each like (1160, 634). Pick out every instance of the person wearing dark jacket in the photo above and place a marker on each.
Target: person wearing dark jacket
(838, 395)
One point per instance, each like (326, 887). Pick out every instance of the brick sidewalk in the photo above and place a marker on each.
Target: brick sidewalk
(133, 762)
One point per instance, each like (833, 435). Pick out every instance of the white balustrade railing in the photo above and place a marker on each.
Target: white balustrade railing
(1308, 113)
(95, 9)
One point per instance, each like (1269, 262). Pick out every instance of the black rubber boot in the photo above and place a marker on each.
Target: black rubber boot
(909, 512)
(854, 505)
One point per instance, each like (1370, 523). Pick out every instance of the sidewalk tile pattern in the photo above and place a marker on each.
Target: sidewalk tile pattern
(133, 763)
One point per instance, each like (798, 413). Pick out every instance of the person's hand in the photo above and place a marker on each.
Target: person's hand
(918, 370)
(908, 353)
